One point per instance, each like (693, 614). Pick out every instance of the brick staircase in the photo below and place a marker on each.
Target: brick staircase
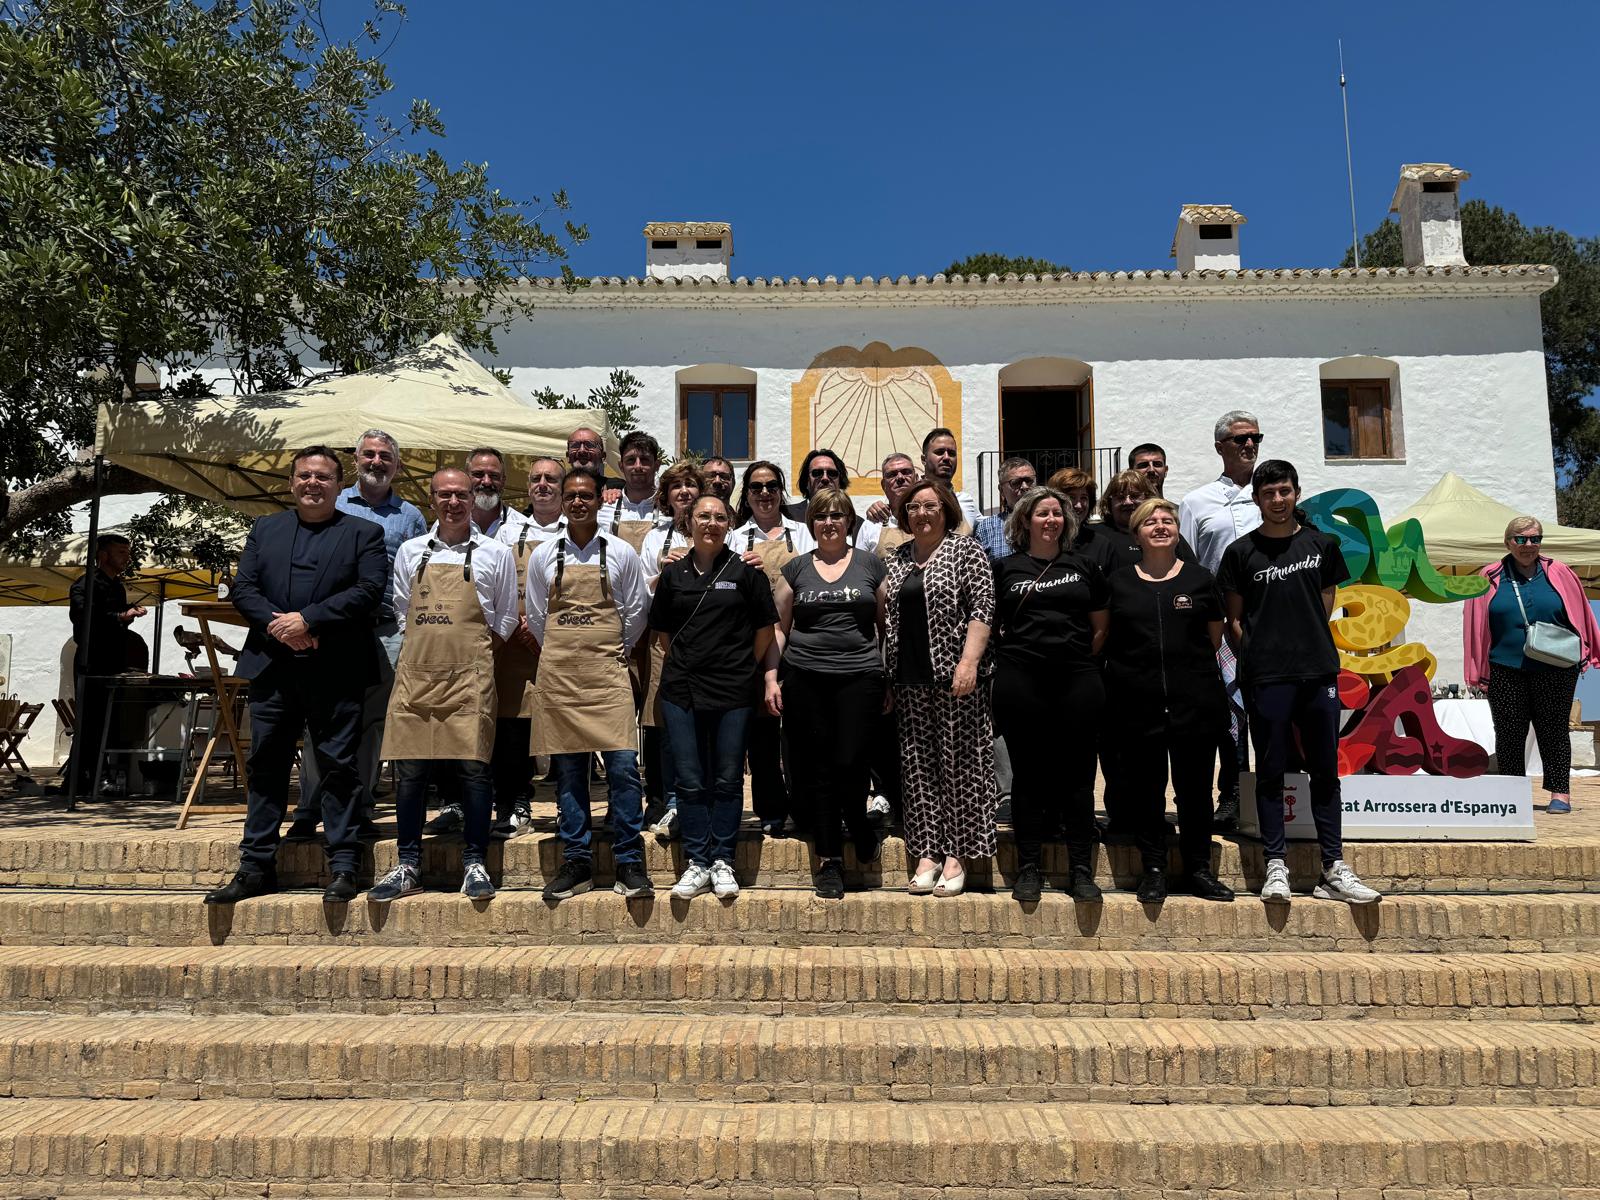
(886, 1046)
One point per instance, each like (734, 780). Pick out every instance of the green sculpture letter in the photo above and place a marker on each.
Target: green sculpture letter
(1394, 558)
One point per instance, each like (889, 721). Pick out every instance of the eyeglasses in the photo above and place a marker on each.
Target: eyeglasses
(1022, 481)
(927, 508)
(764, 485)
(711, 518)
(1527, 539)
(583, 445)
(451, 495)
(1247, 439)
(824, 473)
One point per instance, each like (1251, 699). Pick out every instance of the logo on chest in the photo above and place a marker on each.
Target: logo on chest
(1182, 603)
(434, 618)
(574, 618)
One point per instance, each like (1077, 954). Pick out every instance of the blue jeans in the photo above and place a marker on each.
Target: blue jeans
(411, 804)
(707, 748)
(571, 773)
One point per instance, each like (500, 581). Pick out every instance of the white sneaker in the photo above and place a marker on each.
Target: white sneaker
(667, 827)
(878, 809)
(1276, 889)
(475, 882)
(722, 881)
(1339, 882)
(695, 881)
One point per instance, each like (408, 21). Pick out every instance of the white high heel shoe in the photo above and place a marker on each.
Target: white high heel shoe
(922, 882)
(951, 885)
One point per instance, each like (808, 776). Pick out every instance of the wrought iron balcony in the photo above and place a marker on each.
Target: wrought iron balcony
(1102, 462)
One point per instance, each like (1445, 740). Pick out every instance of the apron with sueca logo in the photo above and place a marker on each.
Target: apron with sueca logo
(515, 666)
(443, 705)
(583, 700)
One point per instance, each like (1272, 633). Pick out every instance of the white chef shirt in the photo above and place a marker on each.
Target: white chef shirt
(507, 518)
(1214, 516)
(624, 570)
(643, 510)
(740, 539)
(494, 575)
(509, 533)
(660, 540)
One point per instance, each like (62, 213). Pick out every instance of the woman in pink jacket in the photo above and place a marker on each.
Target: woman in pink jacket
(1526, 587)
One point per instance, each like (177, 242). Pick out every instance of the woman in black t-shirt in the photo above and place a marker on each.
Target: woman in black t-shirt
(1050, 614)
(716, 612)
(1162, 682)
(830, 608)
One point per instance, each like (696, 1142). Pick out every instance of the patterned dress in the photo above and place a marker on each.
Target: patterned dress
(946, 742)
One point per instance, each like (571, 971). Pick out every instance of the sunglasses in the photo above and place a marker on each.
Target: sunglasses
(824, 473)
(1247, 439)
(1527, 539)
(769, 485)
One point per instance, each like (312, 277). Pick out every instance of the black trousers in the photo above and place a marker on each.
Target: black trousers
(769, 793)
(834, 718)
(883, 762)
(1051, 723)
(1144, 761)
(1120, 813)
(89, 728)
(510, 764)
(286, 700)
(1277, 711)
(1541, 697)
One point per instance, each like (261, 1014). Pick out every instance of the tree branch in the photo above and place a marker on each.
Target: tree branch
(67, 487)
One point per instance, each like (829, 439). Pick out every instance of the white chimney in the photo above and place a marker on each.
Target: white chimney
(1207, 238)
(1429, 205)
(688, 249)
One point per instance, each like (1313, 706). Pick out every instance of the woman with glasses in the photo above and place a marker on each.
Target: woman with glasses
(678, 488)
(1116, 544)
(938, 610)
(1528, 587)
(715, 616)
(767, 538)
(830, 608)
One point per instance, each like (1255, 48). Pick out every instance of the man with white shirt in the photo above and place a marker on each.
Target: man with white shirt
(898, 473)
(633, 514)
(940, 457)
(587, 605)
(455, 595)
(1212, 518)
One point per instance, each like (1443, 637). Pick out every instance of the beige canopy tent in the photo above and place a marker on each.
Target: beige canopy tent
(437, 401)
(1464, 529)
(47, 577)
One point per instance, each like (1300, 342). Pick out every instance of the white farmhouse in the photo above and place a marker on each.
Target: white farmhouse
(1374, 379)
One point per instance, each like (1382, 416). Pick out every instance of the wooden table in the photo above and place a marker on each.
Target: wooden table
(206, 613)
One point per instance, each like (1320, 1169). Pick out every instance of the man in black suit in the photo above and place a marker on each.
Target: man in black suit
(102, 641)
(309, 582)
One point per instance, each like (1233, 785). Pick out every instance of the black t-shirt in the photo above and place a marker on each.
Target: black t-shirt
(1042, 611)
(712, 620)
(304, 560)
(1110, 549)
(835, 626)
(1286, 633)
(914, 663)
(1161, 670)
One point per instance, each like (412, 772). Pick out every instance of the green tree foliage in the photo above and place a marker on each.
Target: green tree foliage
(615, 398)
(188, 183)
(984, 265)
(1570, 315)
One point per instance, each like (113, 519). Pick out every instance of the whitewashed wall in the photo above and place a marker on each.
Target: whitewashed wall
(1470, 388)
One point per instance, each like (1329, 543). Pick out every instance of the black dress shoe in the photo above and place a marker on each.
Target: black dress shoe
(342, 889)
(1082, 887)
(243, 886)
(1029, 884)
(304, 829)
(1153, 887)
(1207, 886)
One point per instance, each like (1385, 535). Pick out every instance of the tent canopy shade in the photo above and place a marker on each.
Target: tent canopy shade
(1465, 528)
(47, 577)
(436, 401)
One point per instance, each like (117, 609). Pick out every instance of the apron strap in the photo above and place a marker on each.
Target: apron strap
(522, 538)
(788, 539)
(605, 574)
(561, 569)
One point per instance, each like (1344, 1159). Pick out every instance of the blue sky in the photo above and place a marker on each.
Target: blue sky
(872, 138)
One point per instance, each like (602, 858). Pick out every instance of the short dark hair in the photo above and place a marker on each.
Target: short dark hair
(472, 454)
(319, 451)
(638, 439)
(585, 472)
(744, 514)
(727, 462)
(805, 470)
(1274, 470)
(1146, 448)
(947, 501)
(106, 540)
(937, 433)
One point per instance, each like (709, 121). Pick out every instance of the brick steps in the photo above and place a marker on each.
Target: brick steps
(799, 981)
(206, 856)
(800, 1059)
(768, 916)
(393, 1147)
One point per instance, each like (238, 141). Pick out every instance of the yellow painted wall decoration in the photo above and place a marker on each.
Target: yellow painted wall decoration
(1373, 617)
(865, 404)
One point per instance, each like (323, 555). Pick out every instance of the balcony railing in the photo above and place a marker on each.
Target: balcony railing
(1102, 462)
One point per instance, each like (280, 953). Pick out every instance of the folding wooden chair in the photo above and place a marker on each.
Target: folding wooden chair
(15, 721)
(67, 714)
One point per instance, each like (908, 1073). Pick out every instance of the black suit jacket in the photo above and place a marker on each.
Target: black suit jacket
(351, 577)
(109, 645)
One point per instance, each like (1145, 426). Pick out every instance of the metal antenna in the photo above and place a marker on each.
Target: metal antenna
(1349, 168)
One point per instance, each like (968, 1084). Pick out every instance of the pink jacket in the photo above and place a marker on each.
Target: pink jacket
(1475, 621)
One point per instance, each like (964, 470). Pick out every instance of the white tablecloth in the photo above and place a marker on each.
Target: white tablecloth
(1470, 719)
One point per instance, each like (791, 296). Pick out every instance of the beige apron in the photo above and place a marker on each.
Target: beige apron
(650, 659)
(443, 703)
(582, 698)
(889, 541)
(774, 553)
(632, 532)
(515, 667)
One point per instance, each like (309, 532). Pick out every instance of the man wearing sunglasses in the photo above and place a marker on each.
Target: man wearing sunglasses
(1211, 518)
(819, 468)
(896, 475)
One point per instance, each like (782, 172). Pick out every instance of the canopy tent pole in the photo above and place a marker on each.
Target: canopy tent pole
(155, 650)
(74, 760)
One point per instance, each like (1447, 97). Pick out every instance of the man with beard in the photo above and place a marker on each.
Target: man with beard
(486, 467)
(1212, 518)
(370, 498)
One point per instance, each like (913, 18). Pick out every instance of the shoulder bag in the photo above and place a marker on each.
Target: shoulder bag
(1548, 643)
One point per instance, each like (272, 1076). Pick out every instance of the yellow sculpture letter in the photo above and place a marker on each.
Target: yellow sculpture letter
(1373, 617)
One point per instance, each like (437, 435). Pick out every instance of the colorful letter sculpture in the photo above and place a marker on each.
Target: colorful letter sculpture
(1387, 684)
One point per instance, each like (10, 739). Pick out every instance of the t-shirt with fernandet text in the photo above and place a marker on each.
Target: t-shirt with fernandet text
(1281, 580)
